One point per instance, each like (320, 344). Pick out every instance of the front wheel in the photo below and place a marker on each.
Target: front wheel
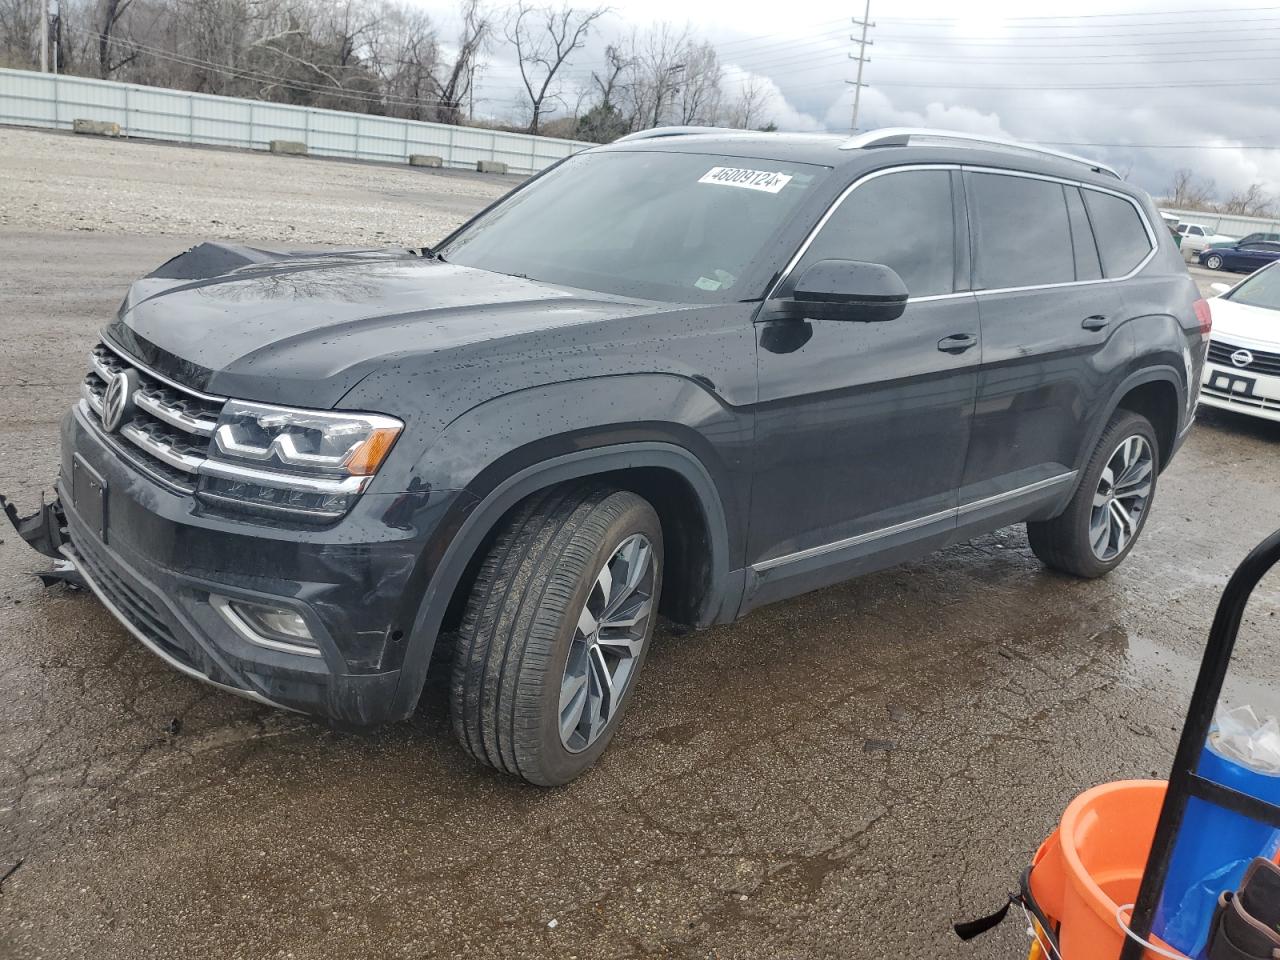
(1213, 262)
(556, 628)
(1110, 506)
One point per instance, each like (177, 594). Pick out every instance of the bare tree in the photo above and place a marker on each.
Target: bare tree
(112, 12)
(544, 38)
(1250, 202)
(747, 111)
(1187, 192)
(454, 88)
(698, 94)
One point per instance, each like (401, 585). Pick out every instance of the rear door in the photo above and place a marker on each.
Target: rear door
(1053, 339)
(862, 428)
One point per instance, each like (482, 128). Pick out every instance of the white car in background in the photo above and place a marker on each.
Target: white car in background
(1196, 237)
(1243, 372)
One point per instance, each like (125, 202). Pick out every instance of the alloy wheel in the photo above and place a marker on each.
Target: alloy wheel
(608, 640)
(1120, 502)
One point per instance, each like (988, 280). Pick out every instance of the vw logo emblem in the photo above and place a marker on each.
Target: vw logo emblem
(1242, 358)
(117, 402)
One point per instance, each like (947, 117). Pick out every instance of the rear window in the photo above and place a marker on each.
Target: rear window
(1122, 237)
(1023, 231)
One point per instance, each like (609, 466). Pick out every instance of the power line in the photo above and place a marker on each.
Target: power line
(1090, 16)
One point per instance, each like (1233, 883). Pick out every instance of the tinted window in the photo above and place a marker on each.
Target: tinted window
(903, 220)
(1086, 251)
(1122, 239)
(1023, 231)
(1196, 232)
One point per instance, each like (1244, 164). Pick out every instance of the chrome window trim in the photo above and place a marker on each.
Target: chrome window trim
(835, 205)
(132, 361)
(951, 514)
(975, 168)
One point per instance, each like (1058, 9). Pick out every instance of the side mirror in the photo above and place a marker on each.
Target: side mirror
(1219, 287)
(851, 290)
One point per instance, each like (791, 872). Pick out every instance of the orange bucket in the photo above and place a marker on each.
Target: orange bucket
(1093, 863)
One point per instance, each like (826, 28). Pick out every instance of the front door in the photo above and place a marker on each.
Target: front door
(862, 428)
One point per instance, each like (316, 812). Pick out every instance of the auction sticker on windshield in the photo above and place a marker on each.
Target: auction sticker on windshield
(768, 181)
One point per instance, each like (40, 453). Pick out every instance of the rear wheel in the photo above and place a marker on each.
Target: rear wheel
(1110, 506)
(556, 628)
(1213, 262)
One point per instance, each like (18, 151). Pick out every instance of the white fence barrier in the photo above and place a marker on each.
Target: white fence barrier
(1226, 224)
(44, 100)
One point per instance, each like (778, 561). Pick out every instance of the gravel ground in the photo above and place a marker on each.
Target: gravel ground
(61, 182)
(841, 775)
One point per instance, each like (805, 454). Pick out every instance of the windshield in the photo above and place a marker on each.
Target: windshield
(1260, 290)
(662, 226)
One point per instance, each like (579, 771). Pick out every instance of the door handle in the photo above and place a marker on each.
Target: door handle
(957, 343)
(1095, 322)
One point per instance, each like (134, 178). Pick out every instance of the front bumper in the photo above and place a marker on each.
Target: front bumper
(1241, 391)
(155, 557)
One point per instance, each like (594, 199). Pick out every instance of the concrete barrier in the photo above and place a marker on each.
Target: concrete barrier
(292, 148)
(490, 166)
(425, 160)
(96, 128)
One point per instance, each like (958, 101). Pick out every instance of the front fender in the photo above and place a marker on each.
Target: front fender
(507, 448)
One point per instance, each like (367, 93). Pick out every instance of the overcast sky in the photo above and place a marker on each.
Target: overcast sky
(1186, 83)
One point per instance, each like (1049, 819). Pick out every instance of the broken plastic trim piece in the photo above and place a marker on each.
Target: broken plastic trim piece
(45, 531)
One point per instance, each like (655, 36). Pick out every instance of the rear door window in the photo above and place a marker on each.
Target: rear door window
(1122, 237)
(904, 220)
(1023, 231)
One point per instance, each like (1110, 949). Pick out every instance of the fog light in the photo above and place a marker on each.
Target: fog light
(279, 628)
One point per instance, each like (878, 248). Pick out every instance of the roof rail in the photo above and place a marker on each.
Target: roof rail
(654, 133)
(902, 136)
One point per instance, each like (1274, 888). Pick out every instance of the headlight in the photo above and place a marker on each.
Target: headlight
(307, 463)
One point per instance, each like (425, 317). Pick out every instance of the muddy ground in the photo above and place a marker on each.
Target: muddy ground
(842, 775)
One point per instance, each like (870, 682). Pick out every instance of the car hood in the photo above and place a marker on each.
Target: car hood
(1240, 323)
(303, 330)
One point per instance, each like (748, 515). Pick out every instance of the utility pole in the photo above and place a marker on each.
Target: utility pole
(862, 58)
(44, 36)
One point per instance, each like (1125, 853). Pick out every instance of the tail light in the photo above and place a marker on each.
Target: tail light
(1204, 316)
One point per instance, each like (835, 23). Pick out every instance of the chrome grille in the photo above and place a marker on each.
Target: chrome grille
(167, 433)
(1263, 362)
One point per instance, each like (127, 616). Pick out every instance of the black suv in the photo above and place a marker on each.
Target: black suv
(688, 373)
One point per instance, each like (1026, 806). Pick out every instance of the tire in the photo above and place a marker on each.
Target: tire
(1069, 542)
(1213, 262)
(543, 578)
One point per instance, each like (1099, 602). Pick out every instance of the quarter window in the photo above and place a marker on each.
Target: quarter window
(1023, 231)
(1122, 238)
(903, 220)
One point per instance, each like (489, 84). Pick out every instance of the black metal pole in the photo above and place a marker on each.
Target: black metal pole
(1204, 701)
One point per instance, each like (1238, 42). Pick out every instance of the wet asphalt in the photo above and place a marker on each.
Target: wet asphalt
(841, 775)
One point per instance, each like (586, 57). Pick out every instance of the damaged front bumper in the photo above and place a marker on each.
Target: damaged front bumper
(165, 569)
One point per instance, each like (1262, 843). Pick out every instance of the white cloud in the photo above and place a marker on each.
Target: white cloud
(776, 108)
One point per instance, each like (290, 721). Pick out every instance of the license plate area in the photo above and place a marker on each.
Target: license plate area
(1233, 383)
(89, 494)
